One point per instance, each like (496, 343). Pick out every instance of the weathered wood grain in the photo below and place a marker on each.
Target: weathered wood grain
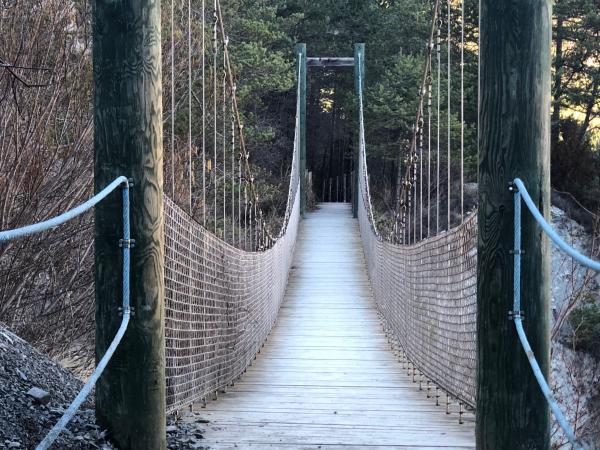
(130, 396)
(326, 377)
(514, 123)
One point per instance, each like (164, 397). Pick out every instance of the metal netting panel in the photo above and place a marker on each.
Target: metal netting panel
(427, 295)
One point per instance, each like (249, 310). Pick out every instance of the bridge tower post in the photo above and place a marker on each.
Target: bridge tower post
(130, 395)
(359, 70)
(514, 141)
(301, 55)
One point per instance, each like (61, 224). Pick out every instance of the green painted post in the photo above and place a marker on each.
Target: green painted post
(514, 141)
(301, 55)
(130, 395)
(359, 68)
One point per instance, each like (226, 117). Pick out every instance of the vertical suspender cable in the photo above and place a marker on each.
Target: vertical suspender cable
(412, 190)
(251, 224)
(239, 211)
(414, 181)
(409, 195)
(449, 111)
(251, 221)
(224, 146)
(232, 175)
(245, 212)
(400, 214)
(172, 99)
(438, 123)
(189, 162)
(190, 169)
(462, 112)
(429, 99)
(203, 113)
(215, 81)
(421, 125)
(252, 188)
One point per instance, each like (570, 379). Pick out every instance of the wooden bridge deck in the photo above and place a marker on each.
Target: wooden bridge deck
(326, 377)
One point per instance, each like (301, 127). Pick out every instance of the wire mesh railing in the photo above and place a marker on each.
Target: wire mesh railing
(426, 292)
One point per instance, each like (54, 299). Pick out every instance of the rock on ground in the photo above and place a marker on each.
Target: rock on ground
(34, 393)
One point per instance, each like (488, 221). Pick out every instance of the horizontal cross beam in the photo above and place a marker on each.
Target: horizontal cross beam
(330, 62)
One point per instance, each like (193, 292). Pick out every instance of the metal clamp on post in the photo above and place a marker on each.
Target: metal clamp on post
(129, 309)
(512, 315)
(126, 243)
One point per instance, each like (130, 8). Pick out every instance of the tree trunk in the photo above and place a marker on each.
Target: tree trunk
(558, 86)
(589, 109)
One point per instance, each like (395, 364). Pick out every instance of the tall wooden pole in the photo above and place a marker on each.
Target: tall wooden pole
(514, 123)
(130, 395)
(301, 55)
(359, 69)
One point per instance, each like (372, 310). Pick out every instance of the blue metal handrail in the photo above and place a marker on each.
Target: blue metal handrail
(54, 222)
(522, 194)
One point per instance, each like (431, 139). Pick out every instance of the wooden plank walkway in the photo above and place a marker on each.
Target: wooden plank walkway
(326, 377)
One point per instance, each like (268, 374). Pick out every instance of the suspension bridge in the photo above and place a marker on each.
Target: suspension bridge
(326, 333)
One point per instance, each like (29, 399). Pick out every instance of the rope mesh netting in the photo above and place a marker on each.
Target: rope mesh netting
(221, 302)
(426, 294)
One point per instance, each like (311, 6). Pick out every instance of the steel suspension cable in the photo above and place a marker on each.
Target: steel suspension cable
(429, 101)
(203, 51)
(224, 149)
(190, 168)
(438, 123)
(233, 183)
(240, 197)
(415, 157)
(408, 187)
(462, 112)
(172, 99)
(252, 192)
(215, 125)
(448, 112)
(421, 125)
(245, 214)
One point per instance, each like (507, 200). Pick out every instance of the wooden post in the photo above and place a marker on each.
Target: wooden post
(514, 121)
(301, 54)
(130, 395)
(359, 68)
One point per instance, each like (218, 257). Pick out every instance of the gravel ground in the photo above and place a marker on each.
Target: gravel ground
(26, 415)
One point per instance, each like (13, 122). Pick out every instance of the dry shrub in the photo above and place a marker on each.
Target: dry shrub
(46, 290)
